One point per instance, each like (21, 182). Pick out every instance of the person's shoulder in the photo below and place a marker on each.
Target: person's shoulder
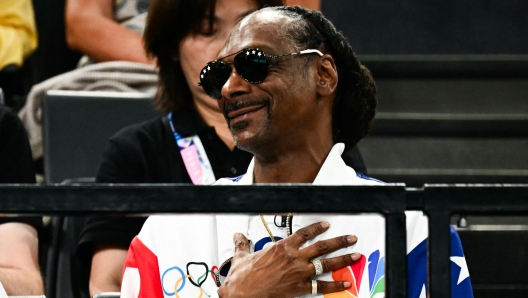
(147, 134)
(151, 129)
(137, 154)
(228, 181)
(11, 127)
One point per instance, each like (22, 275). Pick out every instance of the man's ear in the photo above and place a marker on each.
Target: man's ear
(326, 75)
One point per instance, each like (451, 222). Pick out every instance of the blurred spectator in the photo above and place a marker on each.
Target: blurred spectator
(117, 76)
(18, 39)
(107, 30)
(19, 269)
(16, 165)
(179, 35)
(310, 4)
(18, 36)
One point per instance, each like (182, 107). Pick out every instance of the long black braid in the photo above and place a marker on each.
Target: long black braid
(355, 103)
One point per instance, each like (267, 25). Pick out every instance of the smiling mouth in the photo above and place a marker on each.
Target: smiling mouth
(244, 111)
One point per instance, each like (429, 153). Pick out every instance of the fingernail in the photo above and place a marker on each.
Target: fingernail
(325, 224)
(356, 256)
(351, 239)
(347, 284)
(236, 237)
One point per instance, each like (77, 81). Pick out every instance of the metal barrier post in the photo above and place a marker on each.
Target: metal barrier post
(439, 251)
(396, 235)
(440, 201)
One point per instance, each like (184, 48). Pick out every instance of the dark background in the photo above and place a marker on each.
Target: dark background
(432, 27)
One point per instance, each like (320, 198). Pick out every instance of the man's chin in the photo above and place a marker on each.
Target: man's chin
(245, 140)
(250, 135)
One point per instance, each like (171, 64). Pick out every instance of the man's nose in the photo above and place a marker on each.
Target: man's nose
(235, 86)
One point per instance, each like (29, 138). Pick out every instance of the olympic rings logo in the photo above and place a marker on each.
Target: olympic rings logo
(180, 282)
(176, 290)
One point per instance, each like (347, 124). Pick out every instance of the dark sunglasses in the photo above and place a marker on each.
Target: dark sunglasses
(250, 64)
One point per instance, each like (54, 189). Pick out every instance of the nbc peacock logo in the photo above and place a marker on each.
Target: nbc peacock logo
(356, 272)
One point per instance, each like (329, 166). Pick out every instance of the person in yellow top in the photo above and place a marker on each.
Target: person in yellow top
(18, 34)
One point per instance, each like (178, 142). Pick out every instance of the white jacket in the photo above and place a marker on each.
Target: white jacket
(180, 255)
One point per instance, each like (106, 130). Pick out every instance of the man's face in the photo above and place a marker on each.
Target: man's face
(283, 108)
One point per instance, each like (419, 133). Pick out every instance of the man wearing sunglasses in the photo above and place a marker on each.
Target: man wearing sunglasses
(294, 95)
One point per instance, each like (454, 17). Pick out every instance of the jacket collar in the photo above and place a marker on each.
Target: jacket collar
(334, 171)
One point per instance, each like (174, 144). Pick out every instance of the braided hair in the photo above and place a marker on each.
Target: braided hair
(355, 102)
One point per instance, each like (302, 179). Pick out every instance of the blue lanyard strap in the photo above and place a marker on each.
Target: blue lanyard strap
(177, 136)
(194, 157)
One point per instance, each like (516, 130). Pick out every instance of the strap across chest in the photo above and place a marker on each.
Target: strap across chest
(194, 157)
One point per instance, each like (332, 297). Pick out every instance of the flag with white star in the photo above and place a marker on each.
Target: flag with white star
(417, 270)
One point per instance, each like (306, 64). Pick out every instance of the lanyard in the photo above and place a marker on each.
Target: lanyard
(194, 157)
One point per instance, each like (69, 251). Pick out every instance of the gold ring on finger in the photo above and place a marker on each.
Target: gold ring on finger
(314, 287)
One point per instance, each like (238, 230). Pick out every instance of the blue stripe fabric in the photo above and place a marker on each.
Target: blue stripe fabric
(417, 270)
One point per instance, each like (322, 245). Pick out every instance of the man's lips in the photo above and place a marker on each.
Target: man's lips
(243, 111)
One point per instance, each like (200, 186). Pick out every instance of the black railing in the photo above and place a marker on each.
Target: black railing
(442, 201)
(438, 202)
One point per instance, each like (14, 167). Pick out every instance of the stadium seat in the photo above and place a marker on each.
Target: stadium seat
(77, 125)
